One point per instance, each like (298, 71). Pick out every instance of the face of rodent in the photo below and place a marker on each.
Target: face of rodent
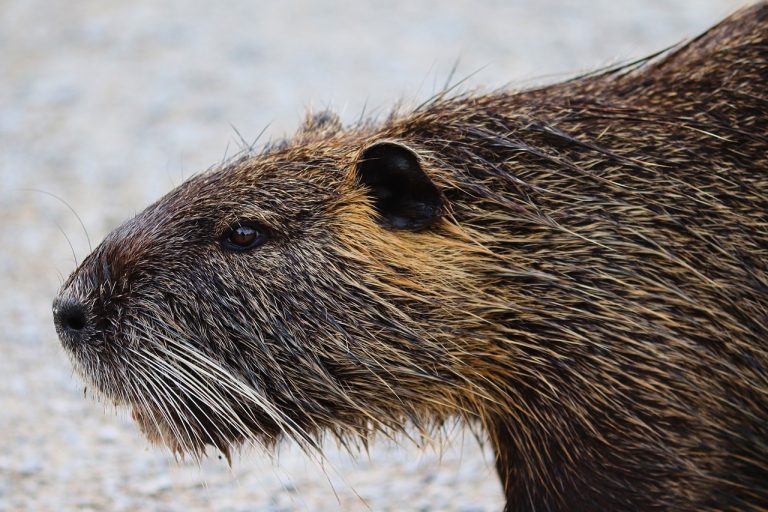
(261, 299)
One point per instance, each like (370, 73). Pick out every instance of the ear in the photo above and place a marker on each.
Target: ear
(402, 193)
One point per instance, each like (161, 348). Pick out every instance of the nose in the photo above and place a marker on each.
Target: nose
(71, 319)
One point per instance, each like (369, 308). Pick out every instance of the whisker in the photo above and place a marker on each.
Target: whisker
(71, 247)
(82, 224)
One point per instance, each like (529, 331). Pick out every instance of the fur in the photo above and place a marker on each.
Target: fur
(594, 297)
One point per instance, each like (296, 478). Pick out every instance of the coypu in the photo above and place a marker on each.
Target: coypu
(580, 271)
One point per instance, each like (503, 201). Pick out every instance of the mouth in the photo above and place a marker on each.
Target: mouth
(156, 428)
(188, 424)
(182, 423)
(178, 396)
(167, 414)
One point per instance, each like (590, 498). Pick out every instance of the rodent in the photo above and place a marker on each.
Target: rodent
(578, 270)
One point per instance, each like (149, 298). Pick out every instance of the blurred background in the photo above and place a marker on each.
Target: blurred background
(109, 104)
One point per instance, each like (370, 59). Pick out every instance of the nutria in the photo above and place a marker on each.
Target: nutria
(578, 271)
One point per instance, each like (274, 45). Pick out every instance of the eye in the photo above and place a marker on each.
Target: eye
(243, 236)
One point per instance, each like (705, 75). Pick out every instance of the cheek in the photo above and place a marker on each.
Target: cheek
(273, 284)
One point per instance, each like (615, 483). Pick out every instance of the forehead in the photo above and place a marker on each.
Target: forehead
(270, 174)
(285, 183)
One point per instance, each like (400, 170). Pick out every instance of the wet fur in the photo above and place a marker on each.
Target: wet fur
(594, 297)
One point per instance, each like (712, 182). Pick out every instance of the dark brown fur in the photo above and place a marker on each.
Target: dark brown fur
(593, 295)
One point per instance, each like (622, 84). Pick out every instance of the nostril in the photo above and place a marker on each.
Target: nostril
(70, 315)
(74, 319)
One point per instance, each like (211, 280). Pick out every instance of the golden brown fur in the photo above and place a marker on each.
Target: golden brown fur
(593, 293)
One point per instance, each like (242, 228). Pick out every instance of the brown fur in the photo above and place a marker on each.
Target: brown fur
(594, 295)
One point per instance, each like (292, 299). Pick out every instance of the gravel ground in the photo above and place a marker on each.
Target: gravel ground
(108, 104)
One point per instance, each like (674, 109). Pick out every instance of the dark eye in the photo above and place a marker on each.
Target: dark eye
(243, 236)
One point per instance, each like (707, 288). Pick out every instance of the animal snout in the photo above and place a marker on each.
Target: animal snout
(71, 319)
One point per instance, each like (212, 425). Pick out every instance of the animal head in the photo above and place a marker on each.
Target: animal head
(294, 292)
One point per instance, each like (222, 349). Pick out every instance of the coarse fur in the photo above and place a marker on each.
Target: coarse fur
(592, 292)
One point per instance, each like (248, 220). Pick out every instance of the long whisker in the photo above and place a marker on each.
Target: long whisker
(65, 203)
(71, 247)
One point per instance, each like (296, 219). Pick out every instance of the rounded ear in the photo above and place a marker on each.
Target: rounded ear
(404, 196)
